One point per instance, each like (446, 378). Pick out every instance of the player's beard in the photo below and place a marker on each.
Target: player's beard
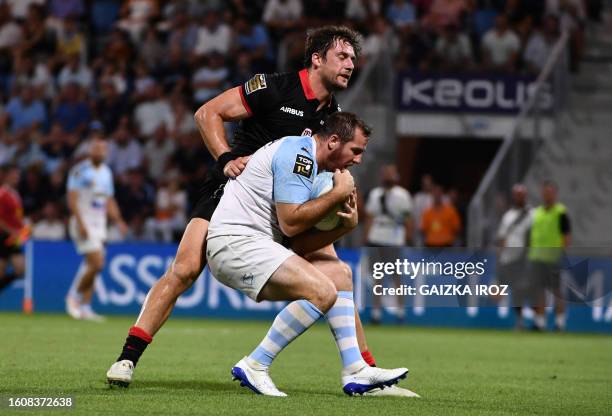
(332, 85)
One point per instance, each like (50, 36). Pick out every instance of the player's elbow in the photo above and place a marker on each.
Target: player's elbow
(289, 230)
(289, 219)
(201, 115)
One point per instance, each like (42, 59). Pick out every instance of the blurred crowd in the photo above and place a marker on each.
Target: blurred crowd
(134, 72)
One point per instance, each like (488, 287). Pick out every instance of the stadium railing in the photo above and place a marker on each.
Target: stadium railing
(532, 126)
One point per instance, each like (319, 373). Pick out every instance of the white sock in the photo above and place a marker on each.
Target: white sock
(341, 319)
(290, 323)
(376, 314)
(560, 321)
(540, 321)
(73, 293)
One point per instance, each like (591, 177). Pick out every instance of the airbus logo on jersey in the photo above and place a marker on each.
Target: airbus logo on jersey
(289, 110)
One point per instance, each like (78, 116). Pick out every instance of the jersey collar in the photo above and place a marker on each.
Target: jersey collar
(308, 92)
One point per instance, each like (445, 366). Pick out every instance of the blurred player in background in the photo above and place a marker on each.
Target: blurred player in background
(388, 227)
(90, 200)
(269, 107)
(271, 200)
(549, 237)
(13, 232)
(512, 239)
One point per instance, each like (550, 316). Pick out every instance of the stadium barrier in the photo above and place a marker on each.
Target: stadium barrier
(132, 268)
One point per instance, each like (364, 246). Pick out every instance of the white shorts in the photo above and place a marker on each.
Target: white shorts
(94, 241)
(245, 263)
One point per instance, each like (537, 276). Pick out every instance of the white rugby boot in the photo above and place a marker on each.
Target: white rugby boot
(393, 391)
(369, 378)
(73, 307)
(120, 373)
(87, 314)
(255, 379)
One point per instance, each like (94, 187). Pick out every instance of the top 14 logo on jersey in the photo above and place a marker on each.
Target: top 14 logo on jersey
(303, 166)
(258, 82)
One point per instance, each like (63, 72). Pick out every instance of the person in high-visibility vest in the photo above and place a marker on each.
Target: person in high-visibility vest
(550, 235)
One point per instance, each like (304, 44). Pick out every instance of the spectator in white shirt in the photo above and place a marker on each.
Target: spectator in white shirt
(152, 112)
(388, 226)
(540, 45)
(49, 227)
(157, 152)
(282, 15)
(19, 8)
(389, 209)
(136, 14)
(500, 47)
(124, 151)
(213, 35)
(10, 32)
(512, 238)
(34, 73)
(360, 10)
(75, 72)
(381, 36)
(209, 80)
(454, 50)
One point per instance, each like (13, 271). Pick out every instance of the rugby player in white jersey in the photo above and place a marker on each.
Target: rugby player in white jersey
(90, 200)
(269, 201)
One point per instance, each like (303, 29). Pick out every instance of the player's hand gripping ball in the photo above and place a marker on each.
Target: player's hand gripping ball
(322, 184)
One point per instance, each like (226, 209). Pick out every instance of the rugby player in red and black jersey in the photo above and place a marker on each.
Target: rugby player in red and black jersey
(13, 231)
(269, 106)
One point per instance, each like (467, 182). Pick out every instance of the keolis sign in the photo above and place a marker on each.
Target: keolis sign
(470, 93)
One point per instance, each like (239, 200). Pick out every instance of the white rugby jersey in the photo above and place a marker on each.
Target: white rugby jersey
(94, 186)
(281, 171)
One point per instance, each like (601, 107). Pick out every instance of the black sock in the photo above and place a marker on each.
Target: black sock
(135, 344)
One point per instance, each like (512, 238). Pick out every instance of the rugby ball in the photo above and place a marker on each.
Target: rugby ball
(322, 184)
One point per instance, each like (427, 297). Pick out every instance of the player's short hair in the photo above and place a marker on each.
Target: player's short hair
(343, 124)
(322, 39)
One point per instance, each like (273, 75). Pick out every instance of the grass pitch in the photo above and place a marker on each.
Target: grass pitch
(186, 370)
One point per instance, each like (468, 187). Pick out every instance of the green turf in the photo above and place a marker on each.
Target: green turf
(186, 370)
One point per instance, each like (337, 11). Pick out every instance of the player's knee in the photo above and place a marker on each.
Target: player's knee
(342, 276)
(324, 296)
(185, 273)
(346, 275)
(97, 264)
